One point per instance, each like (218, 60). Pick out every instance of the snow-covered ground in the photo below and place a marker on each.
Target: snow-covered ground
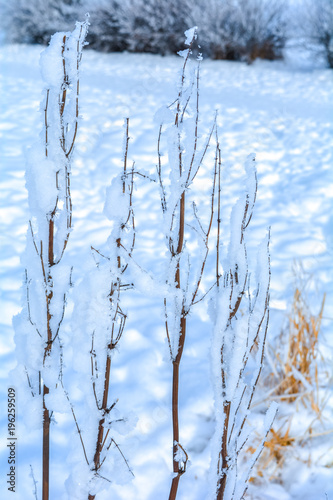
(284, 115)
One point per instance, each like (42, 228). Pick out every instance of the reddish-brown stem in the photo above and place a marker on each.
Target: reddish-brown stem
(51, 237)
(223, 458)
(47, 351)
(178, 471)
(181, 230)
(100, 433)
(46, 447)
(176, 249)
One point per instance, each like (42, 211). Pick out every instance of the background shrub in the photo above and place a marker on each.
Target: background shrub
(156, 26)
(239, 30)
(315, 28)
(245, 29)
(107, 31)
(35, 21)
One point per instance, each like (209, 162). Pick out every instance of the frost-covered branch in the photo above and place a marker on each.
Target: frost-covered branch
(47, 279)
(99, 322)
(185, 156)
(240, 326)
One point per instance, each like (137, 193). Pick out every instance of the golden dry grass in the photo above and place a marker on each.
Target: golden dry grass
(275, 451)
(296, 372)
(296, 375)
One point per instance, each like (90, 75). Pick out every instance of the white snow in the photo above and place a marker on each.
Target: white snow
(190, 34)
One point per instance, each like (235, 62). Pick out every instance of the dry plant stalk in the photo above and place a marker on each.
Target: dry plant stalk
(48, 183)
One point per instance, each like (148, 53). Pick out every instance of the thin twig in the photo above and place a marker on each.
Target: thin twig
(76, 423)
(34, 482)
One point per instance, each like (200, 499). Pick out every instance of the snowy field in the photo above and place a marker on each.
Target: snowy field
(280, 112)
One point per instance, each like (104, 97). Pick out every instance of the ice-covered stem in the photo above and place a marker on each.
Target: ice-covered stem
(119, 197)
(240, 331)
(184, 161)
(48, 183)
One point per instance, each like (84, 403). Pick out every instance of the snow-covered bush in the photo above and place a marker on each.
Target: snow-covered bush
(230, 29)
(47, 278)
(315, 27)
(213, 17)
(35, 21)
(109, 29)
(243, 29)
(261, 26)
(156, 26)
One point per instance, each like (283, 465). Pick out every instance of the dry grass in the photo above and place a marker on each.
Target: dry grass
(295, 370)
(276, 449)
(297, 378)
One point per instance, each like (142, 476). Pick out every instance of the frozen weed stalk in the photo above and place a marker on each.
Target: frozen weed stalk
(98, 325)
(47, 279)
(240, 316)
(184, 274)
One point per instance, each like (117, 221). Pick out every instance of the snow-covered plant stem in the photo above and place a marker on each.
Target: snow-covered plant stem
(48, 183)
(183, 277)
(98, 325)
(238, 346)
(120, 210)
